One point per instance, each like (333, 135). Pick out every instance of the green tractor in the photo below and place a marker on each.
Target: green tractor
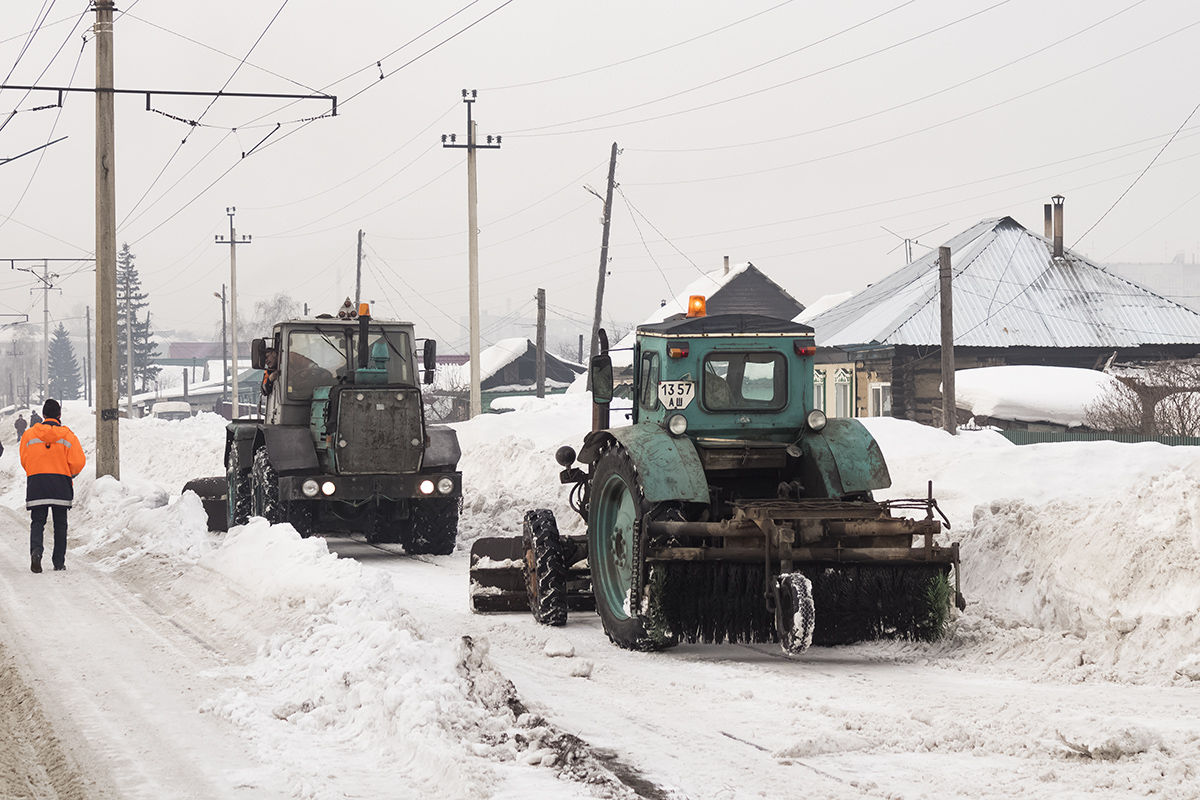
(730, 510)
(340, 442)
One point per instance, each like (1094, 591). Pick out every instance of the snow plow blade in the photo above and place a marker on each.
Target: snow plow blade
(498, 578)
(213, 495)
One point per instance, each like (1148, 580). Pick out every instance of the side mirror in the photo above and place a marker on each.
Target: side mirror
(429, 353)
(602, 379)
(258, 354)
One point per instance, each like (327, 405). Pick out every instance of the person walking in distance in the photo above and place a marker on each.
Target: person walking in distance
(20, 425)
(34, 417)
(52, 457)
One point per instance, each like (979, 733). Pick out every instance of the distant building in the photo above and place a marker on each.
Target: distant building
(1015, 303)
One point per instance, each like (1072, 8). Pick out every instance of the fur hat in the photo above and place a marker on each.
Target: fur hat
(51, 409)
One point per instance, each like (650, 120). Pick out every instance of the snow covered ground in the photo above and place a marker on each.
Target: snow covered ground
(170, 662)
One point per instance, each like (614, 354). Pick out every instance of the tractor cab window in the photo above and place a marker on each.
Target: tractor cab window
(648, 381)
(744, 382)
(399, 350)
(313, 359)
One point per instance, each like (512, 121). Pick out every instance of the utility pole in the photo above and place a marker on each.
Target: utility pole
(224, 345)
(46, 329)
(87, 361)
(541, 343)
(358, 272)
(471, 146)
(233, 242)
(612, 173)
(108, 450)
(949, 406)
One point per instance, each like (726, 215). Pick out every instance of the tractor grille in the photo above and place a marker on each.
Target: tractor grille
(378, 430)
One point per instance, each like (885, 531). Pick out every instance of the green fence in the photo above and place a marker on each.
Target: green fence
(1042, 437)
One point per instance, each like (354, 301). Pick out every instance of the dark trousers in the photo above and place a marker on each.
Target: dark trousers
(38, 524)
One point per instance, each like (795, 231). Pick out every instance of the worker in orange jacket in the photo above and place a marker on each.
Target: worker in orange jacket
(52, 456)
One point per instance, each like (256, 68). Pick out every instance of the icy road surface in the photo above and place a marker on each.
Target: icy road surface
(170, 662)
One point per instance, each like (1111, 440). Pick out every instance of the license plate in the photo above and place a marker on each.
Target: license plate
(676, 394)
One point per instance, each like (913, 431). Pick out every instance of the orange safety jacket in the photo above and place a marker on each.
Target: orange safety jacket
(52, 456)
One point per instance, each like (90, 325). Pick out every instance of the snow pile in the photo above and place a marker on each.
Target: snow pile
(1031, 394)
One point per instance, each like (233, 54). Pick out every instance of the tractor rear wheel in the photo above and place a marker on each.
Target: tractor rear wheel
(545, 572)
(434, 526)
(615, 514)
(238, 494)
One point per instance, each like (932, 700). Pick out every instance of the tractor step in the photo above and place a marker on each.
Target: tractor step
(498, 578)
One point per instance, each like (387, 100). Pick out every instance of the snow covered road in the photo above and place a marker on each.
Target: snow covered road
(170, 662)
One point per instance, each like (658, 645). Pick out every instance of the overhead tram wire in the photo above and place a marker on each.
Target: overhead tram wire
(305, 124)
(525, 132)
(29, 37)
(638, 57)
(928, 128)
(198, 119)
(897, 107)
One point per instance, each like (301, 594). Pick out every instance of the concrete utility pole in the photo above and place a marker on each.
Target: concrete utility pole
(233, 242)
(87, 361)
(949, 406)
(108, 449)
(612, 173)
(471, 146)
(128, 346)
(224, 344)
(541, 343)
(358, 272)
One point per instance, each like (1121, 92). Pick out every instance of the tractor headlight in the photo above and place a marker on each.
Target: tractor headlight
(445, 485)
(677, 424)
(426, 487)
(310, 488)
(816, 419)
(328, 487)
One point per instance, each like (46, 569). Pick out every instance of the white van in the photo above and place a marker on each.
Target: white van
(171, 410)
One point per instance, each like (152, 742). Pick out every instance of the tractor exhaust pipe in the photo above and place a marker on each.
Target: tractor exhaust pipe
(364, 319)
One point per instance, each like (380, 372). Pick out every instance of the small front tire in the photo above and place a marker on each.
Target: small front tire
(545, 572)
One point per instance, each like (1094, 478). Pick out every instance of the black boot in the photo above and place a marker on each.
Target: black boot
(35, 561)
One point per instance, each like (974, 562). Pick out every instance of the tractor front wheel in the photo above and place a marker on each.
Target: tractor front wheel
(615, 553)
(434, 526)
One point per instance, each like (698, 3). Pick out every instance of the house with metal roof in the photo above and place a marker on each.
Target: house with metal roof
(1016, 300)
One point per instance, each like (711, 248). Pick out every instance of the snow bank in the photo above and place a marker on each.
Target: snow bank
(1029, 393)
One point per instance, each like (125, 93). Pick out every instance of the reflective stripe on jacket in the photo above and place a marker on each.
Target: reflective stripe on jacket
(52, 456)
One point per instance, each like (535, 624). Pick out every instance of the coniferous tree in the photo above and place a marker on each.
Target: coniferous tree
(130, 301)
(63, 368)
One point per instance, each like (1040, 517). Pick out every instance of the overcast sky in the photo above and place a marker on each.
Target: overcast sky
(789, 134)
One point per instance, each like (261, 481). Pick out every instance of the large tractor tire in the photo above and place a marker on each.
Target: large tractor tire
(265, 502)
(545, 572)
(615, 554)
(434, 526)
(797, 616)
(238, 496)
(384, 528)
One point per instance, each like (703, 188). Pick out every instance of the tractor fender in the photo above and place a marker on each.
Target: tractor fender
(290, 448)
(842, 459)
(668, 468)
(443, 449)
(240, 439)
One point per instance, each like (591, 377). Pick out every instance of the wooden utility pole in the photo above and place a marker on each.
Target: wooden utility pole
(949, 407)
(541, 343)
(233, 241)
(476, 404)
(358, 273)
(612, 173)
(108, 448)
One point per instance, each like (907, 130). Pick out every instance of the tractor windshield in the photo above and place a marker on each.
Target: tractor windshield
(744, 382)
(325, 357)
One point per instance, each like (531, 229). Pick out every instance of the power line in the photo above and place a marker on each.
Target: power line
(1140, 174)
(643, 55)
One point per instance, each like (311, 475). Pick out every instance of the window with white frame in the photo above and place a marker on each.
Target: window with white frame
(881, 400)
(842, 394)
(819, 389)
